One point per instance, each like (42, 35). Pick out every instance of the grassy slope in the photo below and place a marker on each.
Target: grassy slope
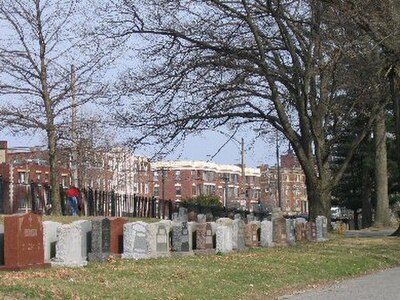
(259, 274)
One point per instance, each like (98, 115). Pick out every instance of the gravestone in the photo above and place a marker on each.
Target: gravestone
(321, 223)
(50, 239)
(70, 246)
(300, 232)
(101, 240)
(238, 234)
(250, 218)
(311, 232)
(136, 243)
(266, 234)
(23, 242)
(162, 245)
(201, 218)
(192, 216)
(85, 227)
(106, 238)
(290, 231)
(279, 232)
(1, 244)
(181, 238)
(192, 226)
(251, 236)
(224, 239)
(276, 214)
(183, 214)
(204, 237)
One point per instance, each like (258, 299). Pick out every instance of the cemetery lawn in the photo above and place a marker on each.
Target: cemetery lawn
(255, 274)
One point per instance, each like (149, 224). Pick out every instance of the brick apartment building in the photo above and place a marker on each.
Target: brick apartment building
(293, 187)
(25, 175)
(180, 180)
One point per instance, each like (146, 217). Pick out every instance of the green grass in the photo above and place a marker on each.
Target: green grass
(259, 273)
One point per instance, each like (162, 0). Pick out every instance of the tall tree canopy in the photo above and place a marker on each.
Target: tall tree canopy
(214, 63)
(39, 42)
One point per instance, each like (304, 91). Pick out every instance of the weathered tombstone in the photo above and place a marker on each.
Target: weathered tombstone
(1, 244)
(209, 217)
(201, 218)
(238, 234)
(175, 216)
(290, 234)
(183, 214)
(237, 217)
(23, 242)
(266, 234)
(180, 238)
(300, 232)
(204, 237)
(50, 239)
(250, 218)
(85, 227)
(311, 232)
(192, 226)
(136, 244)
(322, 228)
(70, 246)
(224, 239)
(279, 232)
(251, 236)
(192, 216)
(276, 214)
(106, 238)
(162, 239)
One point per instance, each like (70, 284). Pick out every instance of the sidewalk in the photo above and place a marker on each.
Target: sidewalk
(384, 285)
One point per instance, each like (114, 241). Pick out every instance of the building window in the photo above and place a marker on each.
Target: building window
(64, 180)
(155, 176)
(156, 191)
(194, 174)
(23, 177)
(178, 190)
(177, 175)
(146, 188)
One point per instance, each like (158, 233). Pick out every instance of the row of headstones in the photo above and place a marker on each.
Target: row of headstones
(30, 243)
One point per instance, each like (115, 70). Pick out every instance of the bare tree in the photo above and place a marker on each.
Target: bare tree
(39, 42)
(248, 63)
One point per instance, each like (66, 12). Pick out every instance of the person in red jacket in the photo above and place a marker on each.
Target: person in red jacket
(72, 194)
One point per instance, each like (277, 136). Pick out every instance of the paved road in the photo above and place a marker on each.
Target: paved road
(384, 285)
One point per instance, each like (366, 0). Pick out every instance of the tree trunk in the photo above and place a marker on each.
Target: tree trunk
(54, 171)
(382, 216)
(366, 192)
(319, 201)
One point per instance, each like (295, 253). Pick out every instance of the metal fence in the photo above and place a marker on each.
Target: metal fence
(19, 197)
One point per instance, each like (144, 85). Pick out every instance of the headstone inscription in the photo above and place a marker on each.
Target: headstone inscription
(23, 242)
(136, 244)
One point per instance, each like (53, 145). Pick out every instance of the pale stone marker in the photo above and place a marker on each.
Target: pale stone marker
(136, 244)
(290, 234)
(238, 234)
(69, 247)
(86, 236)
(322, 228)
(266, 234)
(224, 239)
(50, 239)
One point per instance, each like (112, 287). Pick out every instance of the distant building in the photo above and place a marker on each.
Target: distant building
(293, 187)
(23, 175)
(180, 180)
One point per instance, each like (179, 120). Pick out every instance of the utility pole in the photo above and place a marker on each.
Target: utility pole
(278, 169)
(226, 179)
(243, 181)
(74, 158)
